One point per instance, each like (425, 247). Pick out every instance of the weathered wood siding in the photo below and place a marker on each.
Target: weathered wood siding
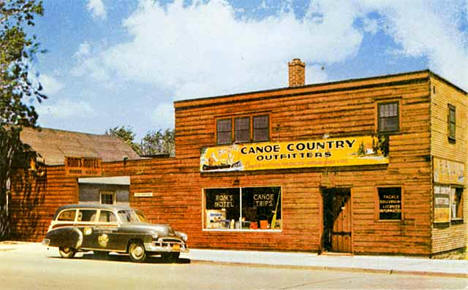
(453, 236)
(343, 109)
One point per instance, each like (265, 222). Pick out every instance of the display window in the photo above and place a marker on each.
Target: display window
(246, 208)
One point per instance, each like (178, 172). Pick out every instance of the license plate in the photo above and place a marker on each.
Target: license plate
(176, 247)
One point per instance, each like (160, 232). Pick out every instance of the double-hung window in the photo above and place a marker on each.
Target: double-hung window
(452, 123)
(389, 117)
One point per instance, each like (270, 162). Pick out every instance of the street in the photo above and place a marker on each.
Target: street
(39, 268)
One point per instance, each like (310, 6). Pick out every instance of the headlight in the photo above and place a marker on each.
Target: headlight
(155, 236)
(183, 236)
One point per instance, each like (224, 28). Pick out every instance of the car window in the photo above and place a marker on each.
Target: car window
(107, 217)
(128, 216)
(86, 215)
(140, 216)
(67, 215)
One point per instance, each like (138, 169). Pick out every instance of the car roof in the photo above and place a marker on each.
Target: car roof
(93, 206)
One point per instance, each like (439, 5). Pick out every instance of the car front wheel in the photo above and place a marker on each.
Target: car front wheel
(137, 252)
(66, 252)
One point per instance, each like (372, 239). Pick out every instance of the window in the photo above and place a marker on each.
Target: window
(451, 123)
(242, 129)
(67, 215)
(107, 217)
(261, 128)
(456, 198)
(246, 129)
(388, 117)
(389, 203)
(86, 215)
(248, 208)
(223, 131)
(107, 197)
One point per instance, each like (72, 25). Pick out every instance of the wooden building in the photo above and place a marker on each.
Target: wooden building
(365, 166)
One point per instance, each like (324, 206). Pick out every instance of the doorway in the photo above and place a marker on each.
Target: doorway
(337, 220)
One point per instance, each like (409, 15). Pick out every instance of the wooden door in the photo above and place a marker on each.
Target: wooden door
(341, 232)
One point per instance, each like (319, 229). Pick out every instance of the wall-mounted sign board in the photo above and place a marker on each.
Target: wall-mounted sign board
(143, 194)
(83, 166)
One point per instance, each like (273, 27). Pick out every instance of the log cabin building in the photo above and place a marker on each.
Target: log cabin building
(365, 166)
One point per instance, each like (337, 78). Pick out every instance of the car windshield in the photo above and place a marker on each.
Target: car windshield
(128, 216)
(141, 216)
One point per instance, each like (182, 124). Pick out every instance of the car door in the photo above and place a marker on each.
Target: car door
(106, 232)
(85, 222)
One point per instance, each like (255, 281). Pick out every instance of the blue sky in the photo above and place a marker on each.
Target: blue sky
(119, 62)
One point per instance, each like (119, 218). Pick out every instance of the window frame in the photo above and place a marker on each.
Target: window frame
(398, 116)
(459, 209)
(233, 127)
(104, 192)
(249, 128)
(267, 128)
(217, 132)
(377, 204)
(452, 110)
(203, 215)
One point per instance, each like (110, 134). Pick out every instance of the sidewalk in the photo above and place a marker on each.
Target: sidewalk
(378, 264)
(372, 264)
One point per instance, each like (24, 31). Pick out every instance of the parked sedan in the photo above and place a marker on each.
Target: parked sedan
(106, 228)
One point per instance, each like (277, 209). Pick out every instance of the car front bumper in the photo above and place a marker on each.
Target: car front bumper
(166, 247)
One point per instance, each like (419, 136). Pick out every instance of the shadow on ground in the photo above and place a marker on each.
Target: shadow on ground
(125, 258)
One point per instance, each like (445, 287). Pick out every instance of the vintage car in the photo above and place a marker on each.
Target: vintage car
(106, 228)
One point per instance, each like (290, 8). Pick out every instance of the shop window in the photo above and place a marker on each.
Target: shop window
(107, 217)
(242, 129)
(451, 123)
(389, 203)
(261, 126)
(67, 215)
(457, 203)
(107, 197)
(223, 131)
(249, 208)
(389, 120)
(86, 215)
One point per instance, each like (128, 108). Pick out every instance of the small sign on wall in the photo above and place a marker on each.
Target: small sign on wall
(143, 194)
(83, 166)
(441, 204)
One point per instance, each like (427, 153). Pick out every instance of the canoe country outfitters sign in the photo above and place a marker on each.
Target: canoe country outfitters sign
(348, 151)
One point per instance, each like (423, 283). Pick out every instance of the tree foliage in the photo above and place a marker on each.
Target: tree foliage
(18, 89)
(125, 134)
(153, 143)
(158, 142)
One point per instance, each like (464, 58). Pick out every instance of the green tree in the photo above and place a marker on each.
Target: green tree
(158, 142)
(18, 89)
(125, 134)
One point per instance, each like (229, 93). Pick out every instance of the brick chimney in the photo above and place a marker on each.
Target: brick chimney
(296, 73)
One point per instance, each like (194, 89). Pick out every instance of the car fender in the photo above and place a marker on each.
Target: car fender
(69, 237)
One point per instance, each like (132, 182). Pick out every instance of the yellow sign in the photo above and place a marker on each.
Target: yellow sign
(347, 151)
(448, 172)
(442, 203)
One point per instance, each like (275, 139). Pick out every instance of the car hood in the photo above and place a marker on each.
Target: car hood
(163, 230)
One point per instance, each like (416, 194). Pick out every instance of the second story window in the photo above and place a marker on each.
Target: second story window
(224, 131)
(261, 126)
(451, 123)
(242, 129)
(389, 120)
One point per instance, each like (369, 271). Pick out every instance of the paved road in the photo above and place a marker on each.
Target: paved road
(43, 269)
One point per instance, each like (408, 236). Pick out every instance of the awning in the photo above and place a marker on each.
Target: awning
(116, 180)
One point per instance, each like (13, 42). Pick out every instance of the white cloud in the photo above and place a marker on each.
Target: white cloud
(428, 29)
(163, 116)
(66, 109)
(50, 84)
(204, 49)
(84, 50)
(97, 9)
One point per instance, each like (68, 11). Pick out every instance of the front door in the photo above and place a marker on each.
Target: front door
(337, 219)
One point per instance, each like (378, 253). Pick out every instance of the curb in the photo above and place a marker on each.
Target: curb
(332, 268)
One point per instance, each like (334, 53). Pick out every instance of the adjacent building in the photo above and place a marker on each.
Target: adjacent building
(365, 166)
